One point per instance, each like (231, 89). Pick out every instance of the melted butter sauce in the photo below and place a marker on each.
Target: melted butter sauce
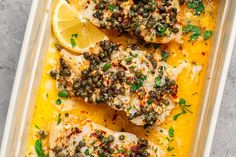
(192, 54)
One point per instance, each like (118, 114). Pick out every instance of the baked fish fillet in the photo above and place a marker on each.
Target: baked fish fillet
(125, 78)
(80, 138)
(152, 20)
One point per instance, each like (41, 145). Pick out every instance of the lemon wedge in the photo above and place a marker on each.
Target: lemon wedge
(72, 31)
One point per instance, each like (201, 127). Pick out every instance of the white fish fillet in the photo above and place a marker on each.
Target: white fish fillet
(137, 100)
(74, 137)
(87, 9)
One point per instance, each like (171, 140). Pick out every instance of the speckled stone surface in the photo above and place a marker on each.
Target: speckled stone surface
(13, 19)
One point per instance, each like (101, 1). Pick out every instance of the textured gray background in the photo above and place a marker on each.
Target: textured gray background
(13, 19)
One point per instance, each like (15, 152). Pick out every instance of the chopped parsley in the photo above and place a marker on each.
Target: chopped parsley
(138, 83)
(196, 31)
(75, 35)
(63, 94)
(59, 119)
(170, 148)
(156, 46)
(111, 7)
(161, 29)
(39, 148)
(184, 107)
(157, 82)
(72, 41)
(36, 126)
(164, 55)
(58, 101)
(150, 101)
(86, 152)
(197, 5)
(207, 34)
(171, 132)
(106, 66)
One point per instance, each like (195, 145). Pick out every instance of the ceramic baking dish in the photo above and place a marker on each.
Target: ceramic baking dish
(30, 69)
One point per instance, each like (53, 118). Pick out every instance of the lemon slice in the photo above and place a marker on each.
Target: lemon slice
(72, 31)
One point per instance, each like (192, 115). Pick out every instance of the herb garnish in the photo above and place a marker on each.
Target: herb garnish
(58, 101)
(156, 46)
(63, 94)
(170, 148)
(39, 148)
(157, 82)
(59, 119)
(138, 83)
(164, 55)
(197, 5)
(207, 34)
(111, 7)
(196, 31)
(72, 41)
(86, 152)
(184, 107)
(106, 66)
(171, 132)
(75, 35)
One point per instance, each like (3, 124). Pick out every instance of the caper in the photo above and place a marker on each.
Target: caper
(89, 81)
(151, 118)
(145, 14)
(122, 137)
(142, 142)
(99, 84)
(85, 73)
(110, 138)
(53, 73)
(77, 149)
(162, 9)
(145, 154)
(140, 11)
(111, 150)
(122, 90)
(57, 149)
(149, 24)
(63, 64)
(138, 73)
(42, 134)
(66, 72)
(147, 7)
(76, 85)
(82, 144)
(83, 94)
(181, 2)
(134, 7)
(153, 7)
(100, 6)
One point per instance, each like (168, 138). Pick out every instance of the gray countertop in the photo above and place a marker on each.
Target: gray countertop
(13, 19)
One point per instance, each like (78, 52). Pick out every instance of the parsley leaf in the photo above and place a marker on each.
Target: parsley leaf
(207, 34)
(164, 55)
(111, 7)
(197, 5)
(63, 94)
(184, 107)
(157, 82)
(39, 148)
(171, 132)
(75, 35)
(138, 83)
(59, 119)
(196, 31)
(170, 148)
(72, 41)
(58, 101)
(106, 66)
